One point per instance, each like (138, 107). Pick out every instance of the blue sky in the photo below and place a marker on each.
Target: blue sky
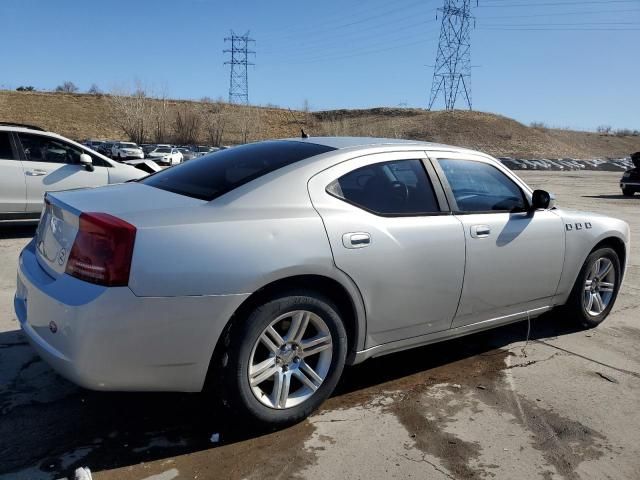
(567, 63)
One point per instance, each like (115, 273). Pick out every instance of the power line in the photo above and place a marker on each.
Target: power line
(238, 78)
(555, 14)
(554, 4)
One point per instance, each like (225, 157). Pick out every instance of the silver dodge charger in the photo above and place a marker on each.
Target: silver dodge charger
(263, 269)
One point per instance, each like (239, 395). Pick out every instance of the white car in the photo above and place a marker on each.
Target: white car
(34, 161)
(166, 155)
(126, 151)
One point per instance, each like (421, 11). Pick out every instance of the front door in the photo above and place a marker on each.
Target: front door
(52, 165)
(514, 256)
(391, 233)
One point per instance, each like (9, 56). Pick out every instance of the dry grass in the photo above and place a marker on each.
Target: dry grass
(82, 116)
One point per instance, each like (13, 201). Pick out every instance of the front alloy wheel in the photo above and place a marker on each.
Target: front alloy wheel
(599, 286)
(596, 287)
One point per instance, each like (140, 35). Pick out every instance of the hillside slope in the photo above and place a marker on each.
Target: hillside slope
(80, 116)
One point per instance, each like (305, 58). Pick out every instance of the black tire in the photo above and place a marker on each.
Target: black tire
(233, 364)
(576, 305)
(627, 192)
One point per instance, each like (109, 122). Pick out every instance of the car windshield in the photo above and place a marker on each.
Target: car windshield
(163, 150)
(128, 145)
(203, 149)
(213, 175)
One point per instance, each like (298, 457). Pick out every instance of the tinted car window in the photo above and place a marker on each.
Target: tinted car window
(38, 148)
(6, 152)
(215, 174)
(480, 187)
(390, 188)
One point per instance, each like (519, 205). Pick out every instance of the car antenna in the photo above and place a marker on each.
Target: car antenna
(303, 134)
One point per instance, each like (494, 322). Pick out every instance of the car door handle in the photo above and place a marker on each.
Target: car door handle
(36, 172)
(480, 231)
(356, 240)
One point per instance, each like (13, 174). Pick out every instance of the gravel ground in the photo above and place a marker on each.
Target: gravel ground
(564, 405)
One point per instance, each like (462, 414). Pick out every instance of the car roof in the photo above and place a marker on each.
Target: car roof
(341, 143)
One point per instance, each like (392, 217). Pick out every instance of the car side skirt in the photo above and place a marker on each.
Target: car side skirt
(450, 334)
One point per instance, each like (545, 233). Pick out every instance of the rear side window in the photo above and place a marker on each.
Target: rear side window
(213, 175)
(480, 187)
(6, 152)
(397, 188)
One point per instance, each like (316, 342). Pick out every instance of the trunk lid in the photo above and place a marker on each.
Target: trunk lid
(138, 204)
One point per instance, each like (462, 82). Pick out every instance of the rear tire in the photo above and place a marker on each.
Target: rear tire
(284, 359)
(627, 192)
(596, 288)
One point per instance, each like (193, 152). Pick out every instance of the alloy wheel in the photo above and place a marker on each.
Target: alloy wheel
(599, 287)
(290, 359)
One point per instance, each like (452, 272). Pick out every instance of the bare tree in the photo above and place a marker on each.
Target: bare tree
(94, 90)
(160, 110)
(67, 87)
(186, 127)
(214, 124)
(132, 113)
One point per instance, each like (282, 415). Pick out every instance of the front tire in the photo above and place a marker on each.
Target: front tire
(627, 192)
(596, 288)
(284, 359)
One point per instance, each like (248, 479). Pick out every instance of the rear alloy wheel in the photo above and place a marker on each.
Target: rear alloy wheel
(596, 288)
(285, 359)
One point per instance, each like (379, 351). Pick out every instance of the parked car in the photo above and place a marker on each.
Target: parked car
(126, 150)
(630, 181)
(165, 155)
(187, 153)
(34, 161)
(147, 147)
(105, 148)
(265, 268)
(93, 144)
(202, 150)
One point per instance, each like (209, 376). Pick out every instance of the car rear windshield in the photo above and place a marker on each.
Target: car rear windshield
(213, 175)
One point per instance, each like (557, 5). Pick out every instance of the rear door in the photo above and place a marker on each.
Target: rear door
(50, 164)
(13, 190)
(514, 257)
(390, 230)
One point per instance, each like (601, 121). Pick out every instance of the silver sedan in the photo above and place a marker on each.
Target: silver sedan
(261, 270)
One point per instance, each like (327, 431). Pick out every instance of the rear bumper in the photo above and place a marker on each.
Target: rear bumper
(108, 339)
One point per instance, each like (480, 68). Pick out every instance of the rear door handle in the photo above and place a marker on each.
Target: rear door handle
(36, 172)
(356, 240)
(480, 231)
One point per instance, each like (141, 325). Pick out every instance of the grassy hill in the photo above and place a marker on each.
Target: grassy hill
(81, 116)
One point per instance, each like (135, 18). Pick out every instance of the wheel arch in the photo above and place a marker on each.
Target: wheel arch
(618, 246)
(346, 297)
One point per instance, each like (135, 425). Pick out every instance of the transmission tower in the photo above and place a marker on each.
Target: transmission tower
(452, 71)
(238, 79)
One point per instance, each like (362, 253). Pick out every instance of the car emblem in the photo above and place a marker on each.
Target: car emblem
(53, 327)
(61, 255)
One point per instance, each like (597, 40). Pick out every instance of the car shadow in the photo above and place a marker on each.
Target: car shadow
(53, 426)
(612, 197)
(18, 229)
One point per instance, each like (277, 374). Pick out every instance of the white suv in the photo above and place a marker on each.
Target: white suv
(34, 161)
(126, 150)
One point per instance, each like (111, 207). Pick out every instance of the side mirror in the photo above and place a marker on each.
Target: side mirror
(541, 200)
(87, 162)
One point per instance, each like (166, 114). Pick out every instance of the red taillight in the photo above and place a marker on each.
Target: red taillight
(102, 250)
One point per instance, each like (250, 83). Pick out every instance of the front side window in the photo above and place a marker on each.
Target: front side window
(6, 152)
(480, 187)
(399, 188)
(38, 148)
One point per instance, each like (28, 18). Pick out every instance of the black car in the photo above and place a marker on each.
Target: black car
(630, 181)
